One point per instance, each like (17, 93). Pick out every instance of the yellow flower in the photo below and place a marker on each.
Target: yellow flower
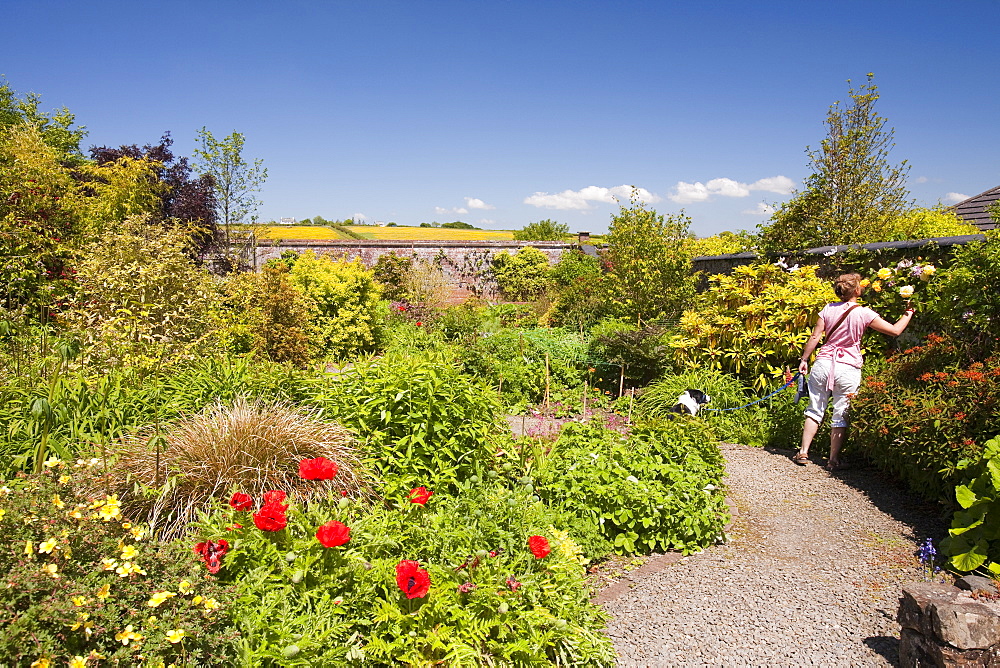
(109, 564)
(82, 620)
(2, 513)
(97, 656)
(41, 663)
(129, 552)
(906, 291)
(104, 592)
(46, 546)
(197, 599)
(211, 604)
(52, 462)
(127, 635)
(58, 503)
(79, 601)
(865, 282)
(175, 635)
(159, 597)
(185, 586)
(29, 548)
(77, 662)
(137, 532)
(877, 286)
(63, 479)
(128, 568)
(884, 273)
(51, 569)
(76, 514)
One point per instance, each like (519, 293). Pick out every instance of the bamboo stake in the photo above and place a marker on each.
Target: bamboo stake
(621, 383)
(586, 389)
(631, 400)
(546, 382)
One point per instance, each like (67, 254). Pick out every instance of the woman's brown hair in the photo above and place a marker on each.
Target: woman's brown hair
(847, 286)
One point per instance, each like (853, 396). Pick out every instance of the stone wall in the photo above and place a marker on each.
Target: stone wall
(947, 625)
(465, 263)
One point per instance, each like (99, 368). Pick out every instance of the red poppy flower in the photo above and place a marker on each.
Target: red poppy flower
(212, 552)
(414, 581)
(274, 496)
(333, 534)
(513, 584)
(241, 501)
(419, 495)
(539, 546)
(419, 323)
(271, 517)
(233, 527)
(320, 468)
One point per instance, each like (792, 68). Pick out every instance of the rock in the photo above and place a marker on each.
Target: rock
(965, 624)
(976, 583)
(914, 605)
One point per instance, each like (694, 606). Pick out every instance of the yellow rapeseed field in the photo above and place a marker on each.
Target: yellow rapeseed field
(298, 233)
(430, 234)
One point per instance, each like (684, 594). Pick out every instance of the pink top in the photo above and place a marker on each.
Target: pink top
(845, 344)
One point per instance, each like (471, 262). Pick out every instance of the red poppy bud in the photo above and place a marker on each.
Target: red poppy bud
(333, 534)
(419, 495)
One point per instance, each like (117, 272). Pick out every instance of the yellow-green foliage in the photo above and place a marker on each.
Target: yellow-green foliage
(930, 223)
(343, 301)
(723, 243)
(521, 276)
(117, 190)
(141, 296)
(752, 323)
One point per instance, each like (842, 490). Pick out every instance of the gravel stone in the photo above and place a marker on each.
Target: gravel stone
(811, 575)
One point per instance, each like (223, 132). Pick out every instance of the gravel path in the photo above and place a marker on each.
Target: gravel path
(811, 575)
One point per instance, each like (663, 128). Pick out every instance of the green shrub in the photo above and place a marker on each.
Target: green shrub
(514, 361)
(78, 576)
(974, 537)
(543, 230)
(752, 323)
(419, 416)
(637, 353)
(927, 410)
(343, 300)
(521, 276)
(489, 600)
(658, 488)
(391, 271)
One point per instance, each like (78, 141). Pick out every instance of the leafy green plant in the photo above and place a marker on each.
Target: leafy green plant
(974, 537)
(657, 488)
(419, 417)
(543, 230)
(84, 582)
(391, 271)
(486, 600)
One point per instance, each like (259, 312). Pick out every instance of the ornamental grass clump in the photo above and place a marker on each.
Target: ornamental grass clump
(248, 447)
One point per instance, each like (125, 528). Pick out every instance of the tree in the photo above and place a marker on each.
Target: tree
(459, 225)
(234, 178)
(56, 129)
(853, 192)
(543, 230)
(649, 261)
(182, 197)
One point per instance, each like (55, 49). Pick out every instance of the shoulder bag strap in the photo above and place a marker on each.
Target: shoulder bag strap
(830, 331)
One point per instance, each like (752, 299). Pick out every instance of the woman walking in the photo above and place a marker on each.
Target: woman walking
(837, 370)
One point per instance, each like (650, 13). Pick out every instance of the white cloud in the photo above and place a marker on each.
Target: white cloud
(359, 216)
(761, 209)
(487, 221)
(922, 179)
(685, 193)
(442, 211)
(954, 198)
(581, 199)
(476, 203)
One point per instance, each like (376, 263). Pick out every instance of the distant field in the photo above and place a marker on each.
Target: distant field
(430, 234)
(299, 233)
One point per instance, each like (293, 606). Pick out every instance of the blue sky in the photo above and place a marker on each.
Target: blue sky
(505, 112)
